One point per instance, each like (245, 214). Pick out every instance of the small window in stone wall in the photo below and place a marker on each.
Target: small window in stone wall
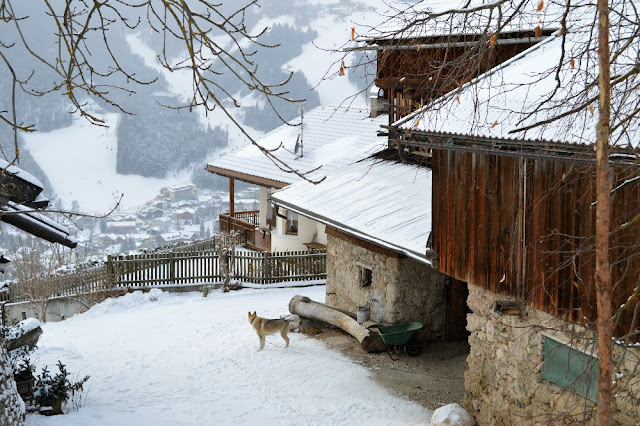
(570, 368)
(366, 275)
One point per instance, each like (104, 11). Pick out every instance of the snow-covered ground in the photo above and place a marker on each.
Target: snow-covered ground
(181, 359)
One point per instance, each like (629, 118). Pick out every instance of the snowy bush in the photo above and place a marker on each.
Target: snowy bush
(53, 391)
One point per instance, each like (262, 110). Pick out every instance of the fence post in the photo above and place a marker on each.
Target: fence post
(264, 267)
(172, 268)
(110, 272)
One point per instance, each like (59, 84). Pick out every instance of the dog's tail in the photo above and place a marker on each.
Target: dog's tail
(293, 320)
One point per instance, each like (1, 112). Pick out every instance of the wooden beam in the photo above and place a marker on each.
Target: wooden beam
(254, 180)
(232, 197)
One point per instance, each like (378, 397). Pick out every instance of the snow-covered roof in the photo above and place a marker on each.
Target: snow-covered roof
(36, 224)
(179, 188)
(524, 91)
(177, 236)
(332, 137)
(122, 224)
(18, 172)
(386, 202)
(417, 21)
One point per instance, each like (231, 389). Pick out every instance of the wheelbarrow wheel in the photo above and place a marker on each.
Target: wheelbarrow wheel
(413, 350)
(394, 352)
(413, 347)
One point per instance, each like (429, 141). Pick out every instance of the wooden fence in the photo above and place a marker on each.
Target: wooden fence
(180, 267)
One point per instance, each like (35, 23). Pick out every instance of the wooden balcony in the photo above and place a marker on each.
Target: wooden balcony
(248, 224)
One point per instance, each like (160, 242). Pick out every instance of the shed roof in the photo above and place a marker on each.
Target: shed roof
(332, 137)
(382, 201)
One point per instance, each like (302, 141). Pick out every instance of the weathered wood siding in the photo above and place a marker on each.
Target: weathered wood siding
(410, 77)
(526, 228)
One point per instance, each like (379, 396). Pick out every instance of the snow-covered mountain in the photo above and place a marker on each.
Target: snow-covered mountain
(82, 161)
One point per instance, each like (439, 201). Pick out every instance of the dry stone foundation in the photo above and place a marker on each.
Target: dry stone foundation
(402, 289)
(505, 383)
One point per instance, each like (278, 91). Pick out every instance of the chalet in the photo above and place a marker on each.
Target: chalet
(150, 212)
(185, 216)
(176, 193)
(512, 216)
(121, 226)
(175, 237)
(109, 239)
(328, 138)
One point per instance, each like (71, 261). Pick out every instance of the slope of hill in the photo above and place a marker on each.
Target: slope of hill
(159, 147)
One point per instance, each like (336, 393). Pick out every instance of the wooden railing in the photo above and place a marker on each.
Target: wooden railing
(179, 267)
(252, 217)
(243, 222)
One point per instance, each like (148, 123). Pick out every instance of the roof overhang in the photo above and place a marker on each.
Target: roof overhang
(535, 149)
(437, 41)
(36, 224)
(244, 177)
(417, 46)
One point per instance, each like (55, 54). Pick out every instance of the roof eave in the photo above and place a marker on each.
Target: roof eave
(244, 177)
(344, 228)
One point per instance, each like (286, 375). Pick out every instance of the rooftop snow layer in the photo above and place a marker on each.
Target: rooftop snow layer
(386, 202)
(524, 91)
(466, 17)
(332, 137)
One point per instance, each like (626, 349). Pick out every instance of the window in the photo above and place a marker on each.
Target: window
(570, 368)
(365, 276)
(292, 223)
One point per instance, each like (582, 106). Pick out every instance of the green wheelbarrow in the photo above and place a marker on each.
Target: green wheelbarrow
(398, 336)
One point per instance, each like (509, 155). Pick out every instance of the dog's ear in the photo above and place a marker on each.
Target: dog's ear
(254, 313)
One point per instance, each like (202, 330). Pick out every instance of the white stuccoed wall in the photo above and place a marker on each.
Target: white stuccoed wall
(280, 241)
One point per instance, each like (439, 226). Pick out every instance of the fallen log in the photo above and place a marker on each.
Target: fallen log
(303, 306)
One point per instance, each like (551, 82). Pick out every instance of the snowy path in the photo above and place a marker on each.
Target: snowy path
(187, 360)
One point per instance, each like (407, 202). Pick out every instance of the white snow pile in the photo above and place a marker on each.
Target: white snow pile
(451, 415)
(161, 358)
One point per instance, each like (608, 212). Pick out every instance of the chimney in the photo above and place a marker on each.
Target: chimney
(378, 102)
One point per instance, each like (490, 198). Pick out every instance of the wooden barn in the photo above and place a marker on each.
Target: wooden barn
(513, 216)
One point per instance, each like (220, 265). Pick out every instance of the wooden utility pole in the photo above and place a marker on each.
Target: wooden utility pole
(603, 218)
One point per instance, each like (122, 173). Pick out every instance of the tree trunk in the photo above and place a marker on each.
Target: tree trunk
(305, 307)
(603, 217)
(11, 405)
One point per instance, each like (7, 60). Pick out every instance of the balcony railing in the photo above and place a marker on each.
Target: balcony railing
(243, 222)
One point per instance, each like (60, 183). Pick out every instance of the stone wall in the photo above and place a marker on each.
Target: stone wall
(403, 289)
(505, 383)
(11, 405)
